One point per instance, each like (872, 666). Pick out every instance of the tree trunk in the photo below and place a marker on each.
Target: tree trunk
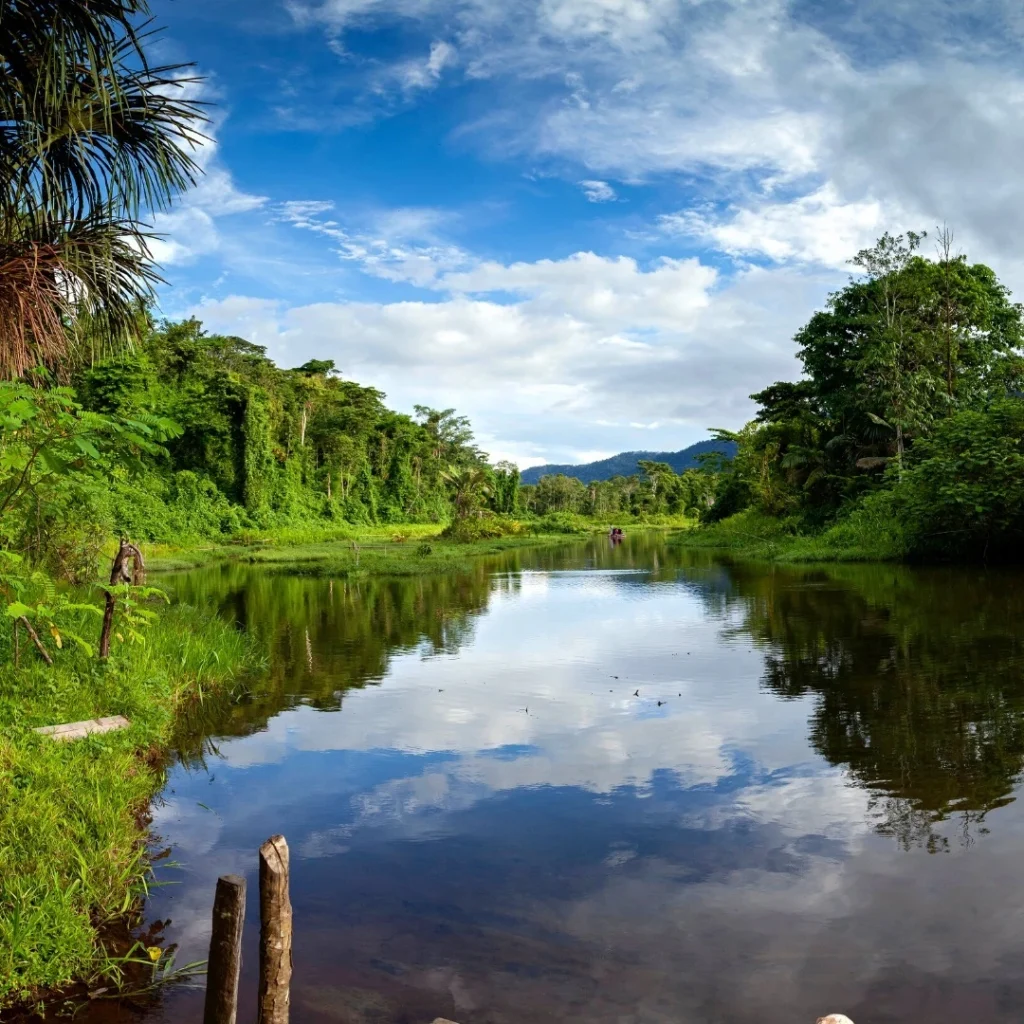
(34, 636)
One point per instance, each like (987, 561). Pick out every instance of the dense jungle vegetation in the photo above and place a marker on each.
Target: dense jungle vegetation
(904, 437)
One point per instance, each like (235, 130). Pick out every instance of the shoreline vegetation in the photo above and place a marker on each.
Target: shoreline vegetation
(74, 859)
(403, 550)
(753, 536)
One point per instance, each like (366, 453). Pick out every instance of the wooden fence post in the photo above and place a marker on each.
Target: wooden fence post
(225, 951)
(275, 933)
(120, 573)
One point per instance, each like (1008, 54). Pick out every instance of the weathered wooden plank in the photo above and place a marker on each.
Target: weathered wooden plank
(225, 951)
(78, 730)
(275, 933)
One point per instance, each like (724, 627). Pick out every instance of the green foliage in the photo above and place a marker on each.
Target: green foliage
(964, 488)
(257, 459)
(259, 446)
(94, 133)
(904, 436)
(483, 527)
(73, 853)
(563, 522)
(58, 462)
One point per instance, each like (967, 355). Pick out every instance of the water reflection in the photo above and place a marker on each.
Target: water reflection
(619, 783)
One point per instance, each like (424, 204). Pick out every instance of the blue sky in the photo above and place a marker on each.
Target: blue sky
(591, 225)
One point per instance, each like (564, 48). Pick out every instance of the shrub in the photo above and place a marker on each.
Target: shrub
(563, 522)
(485, 526)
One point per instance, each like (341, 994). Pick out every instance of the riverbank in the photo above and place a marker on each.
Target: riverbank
(399, 550)
(759, 537)
(73, 816)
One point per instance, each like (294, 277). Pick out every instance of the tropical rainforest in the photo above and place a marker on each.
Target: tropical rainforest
(905, 435)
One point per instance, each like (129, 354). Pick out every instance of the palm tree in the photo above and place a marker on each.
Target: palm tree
(91, 137)
(468, 485)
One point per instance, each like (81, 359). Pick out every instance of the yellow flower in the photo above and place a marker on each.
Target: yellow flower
(155, 952)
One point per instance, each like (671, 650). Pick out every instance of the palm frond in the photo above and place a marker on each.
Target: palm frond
(67, 286)
(91, 136)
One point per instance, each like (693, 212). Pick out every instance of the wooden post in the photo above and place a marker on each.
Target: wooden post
(120, 573)
(225, 951)
(275, 933)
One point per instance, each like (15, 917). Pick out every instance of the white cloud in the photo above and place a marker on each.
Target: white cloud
(417, 73)
(397, 245)
(597, 191)
(188, 228)
(856, 113)
(816, 228)
(568, 345)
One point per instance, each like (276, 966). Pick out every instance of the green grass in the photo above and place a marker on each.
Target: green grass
(73, 815)
(861, 537)
(427, 557)
(382, 550)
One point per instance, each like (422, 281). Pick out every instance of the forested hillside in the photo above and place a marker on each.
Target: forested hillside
(628, 463)
(192, 436)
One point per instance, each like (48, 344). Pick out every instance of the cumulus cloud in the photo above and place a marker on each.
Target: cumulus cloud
(574, 346)
(816, 228)
(597, 191)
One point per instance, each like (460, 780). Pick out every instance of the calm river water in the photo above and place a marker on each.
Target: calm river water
(619, 786)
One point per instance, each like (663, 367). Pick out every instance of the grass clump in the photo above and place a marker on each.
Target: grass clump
(868, 534)
(73, 815)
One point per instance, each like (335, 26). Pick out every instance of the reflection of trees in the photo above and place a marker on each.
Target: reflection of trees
(917, 677)
(322, 636)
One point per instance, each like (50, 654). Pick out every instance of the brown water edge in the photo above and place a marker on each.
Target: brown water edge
(107, 1004)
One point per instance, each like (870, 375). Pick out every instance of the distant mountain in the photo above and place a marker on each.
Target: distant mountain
(627, 463)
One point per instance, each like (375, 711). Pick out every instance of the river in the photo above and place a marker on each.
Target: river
(624, 785)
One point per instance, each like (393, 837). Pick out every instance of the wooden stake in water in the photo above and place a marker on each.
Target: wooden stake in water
(225, 951)
(275, 933)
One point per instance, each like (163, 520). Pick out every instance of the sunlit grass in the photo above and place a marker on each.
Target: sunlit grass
(750, 534)
(72, 815)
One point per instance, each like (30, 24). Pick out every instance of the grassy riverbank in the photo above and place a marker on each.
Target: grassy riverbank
(751, 534)
(73, 815)
(399, 550)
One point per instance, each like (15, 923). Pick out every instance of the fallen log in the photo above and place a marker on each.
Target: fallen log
(79, 730)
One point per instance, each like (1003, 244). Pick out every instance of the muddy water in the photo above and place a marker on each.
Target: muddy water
(617, 785)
